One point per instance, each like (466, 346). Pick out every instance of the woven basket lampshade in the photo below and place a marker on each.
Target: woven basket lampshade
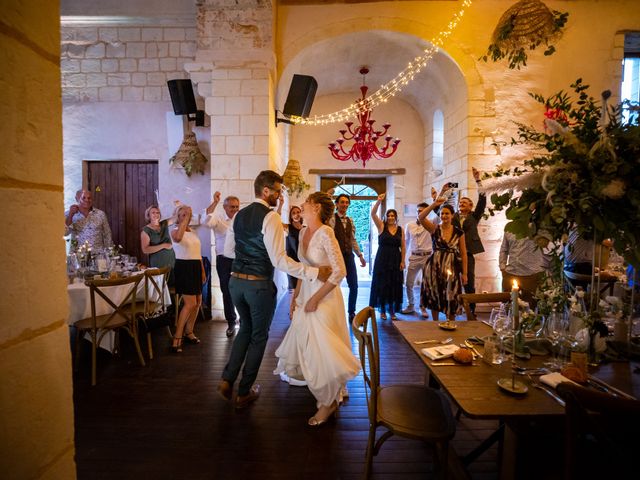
(189, 155)
(292, 177)
(527, 21)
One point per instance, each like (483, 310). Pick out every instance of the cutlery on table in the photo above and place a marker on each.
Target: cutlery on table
(536, 383)
(452, 364)
(441, 342)
(472, 347)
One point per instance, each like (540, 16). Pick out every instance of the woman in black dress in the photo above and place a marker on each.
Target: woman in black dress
(446, 269)
(388, 267)
(293, 231)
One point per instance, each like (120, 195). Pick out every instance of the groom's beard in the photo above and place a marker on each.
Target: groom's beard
(273, 200)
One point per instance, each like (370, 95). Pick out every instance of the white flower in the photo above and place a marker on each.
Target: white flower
(611, 300)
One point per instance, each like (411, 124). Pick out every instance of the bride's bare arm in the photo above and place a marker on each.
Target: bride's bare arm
(292, 305)
(338, 269)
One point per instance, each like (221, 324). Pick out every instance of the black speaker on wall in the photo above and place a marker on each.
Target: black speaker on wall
(301, 94)
(182, 98)
(184, 101)
(300, 98)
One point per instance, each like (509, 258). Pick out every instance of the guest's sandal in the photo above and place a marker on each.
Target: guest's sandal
(177, 345)
(191, 338)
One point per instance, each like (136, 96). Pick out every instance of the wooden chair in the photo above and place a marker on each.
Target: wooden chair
(154, 304)
(411, 411)
(601, 433)
(123, 316)
(468, 298)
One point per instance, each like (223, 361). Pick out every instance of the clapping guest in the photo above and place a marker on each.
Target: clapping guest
(155, 241)
(446, 269)
(418, 245)
(86, 223)
(219, 223)
(388, 266)
(189, 276)
(293, 233)
(468, 219)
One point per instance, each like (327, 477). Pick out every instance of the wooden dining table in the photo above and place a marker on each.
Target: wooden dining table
(474, 388)
(80, 303)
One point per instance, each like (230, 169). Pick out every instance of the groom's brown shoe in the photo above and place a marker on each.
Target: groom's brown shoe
(225, 390)
(246, 400)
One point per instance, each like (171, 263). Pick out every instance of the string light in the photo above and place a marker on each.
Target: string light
(392, 87)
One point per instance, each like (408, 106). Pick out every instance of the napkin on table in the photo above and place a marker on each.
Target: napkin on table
(554, 378)
(438, 353)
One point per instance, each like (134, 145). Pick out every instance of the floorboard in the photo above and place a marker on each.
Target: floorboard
(166, 421)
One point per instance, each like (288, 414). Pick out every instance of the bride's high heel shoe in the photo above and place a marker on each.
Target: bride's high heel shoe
(315, 422)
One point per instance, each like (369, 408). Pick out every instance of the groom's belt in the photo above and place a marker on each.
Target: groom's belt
(246, 276)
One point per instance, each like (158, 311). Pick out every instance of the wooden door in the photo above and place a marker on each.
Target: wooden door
(123, 190)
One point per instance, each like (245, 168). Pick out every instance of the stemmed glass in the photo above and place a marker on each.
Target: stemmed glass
(502, 326)
(495, 312)
(554, 329)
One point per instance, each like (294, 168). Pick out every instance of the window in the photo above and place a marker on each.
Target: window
(631, 76)
(355, 191)
(438, 141)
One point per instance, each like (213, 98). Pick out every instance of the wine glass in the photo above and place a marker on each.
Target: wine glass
(495, 312)
(554, 329)
(502, 326)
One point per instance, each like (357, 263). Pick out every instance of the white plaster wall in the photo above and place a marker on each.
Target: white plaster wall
(309, 146)
(134, 131)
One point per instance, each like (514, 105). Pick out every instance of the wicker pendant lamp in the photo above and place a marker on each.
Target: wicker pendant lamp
(525, 26)
(293, 179)
(189, 155)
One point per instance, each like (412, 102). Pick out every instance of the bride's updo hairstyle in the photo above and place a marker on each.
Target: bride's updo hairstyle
(326, 205)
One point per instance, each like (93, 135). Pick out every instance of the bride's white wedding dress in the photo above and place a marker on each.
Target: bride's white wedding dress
(317, 344)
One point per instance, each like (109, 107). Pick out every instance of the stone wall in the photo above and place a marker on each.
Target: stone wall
(36, 418)
(129, 64)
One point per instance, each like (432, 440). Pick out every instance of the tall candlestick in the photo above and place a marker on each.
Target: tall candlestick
(514, 304)
(448, 293)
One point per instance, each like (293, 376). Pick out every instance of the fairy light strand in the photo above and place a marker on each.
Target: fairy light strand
(394, 86)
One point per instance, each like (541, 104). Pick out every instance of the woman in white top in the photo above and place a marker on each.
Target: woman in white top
(189, 276)
(317, 345)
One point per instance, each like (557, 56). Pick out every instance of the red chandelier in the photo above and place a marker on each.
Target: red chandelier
(365, 138)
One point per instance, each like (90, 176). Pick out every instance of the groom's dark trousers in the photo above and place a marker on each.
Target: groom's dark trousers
(255, 301)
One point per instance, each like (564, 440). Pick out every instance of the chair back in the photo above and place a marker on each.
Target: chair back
(369, 356)
(124, 309)
(599, 426)
(467, 298)
(154, 290)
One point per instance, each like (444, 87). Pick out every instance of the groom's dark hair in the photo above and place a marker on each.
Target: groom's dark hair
(266, 178)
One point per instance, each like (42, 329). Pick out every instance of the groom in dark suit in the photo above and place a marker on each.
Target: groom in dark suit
(468, 218)
(255, 241)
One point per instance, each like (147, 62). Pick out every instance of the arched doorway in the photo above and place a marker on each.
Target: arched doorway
(364, 193)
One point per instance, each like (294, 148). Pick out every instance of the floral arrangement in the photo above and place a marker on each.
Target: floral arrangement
(584, 173)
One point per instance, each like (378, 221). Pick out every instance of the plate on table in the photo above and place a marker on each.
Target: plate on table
(516, 388)
(448, 325)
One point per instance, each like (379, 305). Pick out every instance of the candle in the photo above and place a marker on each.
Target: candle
(448, 293)
(514, 304)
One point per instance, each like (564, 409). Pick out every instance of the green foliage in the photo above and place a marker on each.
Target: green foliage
(359, 211)
(590, 176)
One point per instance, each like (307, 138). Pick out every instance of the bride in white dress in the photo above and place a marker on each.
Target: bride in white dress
(317, 344)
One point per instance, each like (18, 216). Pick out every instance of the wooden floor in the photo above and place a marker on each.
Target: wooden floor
(166, 421)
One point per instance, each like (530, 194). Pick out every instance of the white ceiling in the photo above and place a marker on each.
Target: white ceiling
(335, 64)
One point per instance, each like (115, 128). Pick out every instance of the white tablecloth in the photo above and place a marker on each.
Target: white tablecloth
(80, 302)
